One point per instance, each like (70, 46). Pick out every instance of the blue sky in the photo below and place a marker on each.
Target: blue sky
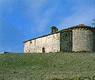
(21, 20)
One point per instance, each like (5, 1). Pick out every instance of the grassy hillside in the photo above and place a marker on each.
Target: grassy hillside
(46, 66)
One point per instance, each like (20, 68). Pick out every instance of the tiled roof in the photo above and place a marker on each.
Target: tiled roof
(67, 29)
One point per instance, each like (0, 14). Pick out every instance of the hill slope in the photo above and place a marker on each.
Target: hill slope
(42, 66)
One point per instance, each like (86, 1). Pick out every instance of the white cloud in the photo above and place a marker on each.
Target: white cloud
(41, 13)
(83, 14)
(34, 6)
(46, 18)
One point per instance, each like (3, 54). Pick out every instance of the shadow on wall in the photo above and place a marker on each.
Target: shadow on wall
(66, 41)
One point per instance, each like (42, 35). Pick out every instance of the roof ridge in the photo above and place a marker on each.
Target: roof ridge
(66, 29)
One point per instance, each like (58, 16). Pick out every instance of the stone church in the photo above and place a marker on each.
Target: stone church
(73, 39)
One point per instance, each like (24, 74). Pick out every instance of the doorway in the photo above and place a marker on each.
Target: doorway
(43, 50)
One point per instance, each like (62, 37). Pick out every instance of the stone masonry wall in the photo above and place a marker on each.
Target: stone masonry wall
(66, 41)
(83, 40)
(50, 43)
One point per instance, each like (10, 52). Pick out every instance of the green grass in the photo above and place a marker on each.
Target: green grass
(26, 66)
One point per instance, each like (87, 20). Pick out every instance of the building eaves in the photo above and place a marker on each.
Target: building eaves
(67, 29)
